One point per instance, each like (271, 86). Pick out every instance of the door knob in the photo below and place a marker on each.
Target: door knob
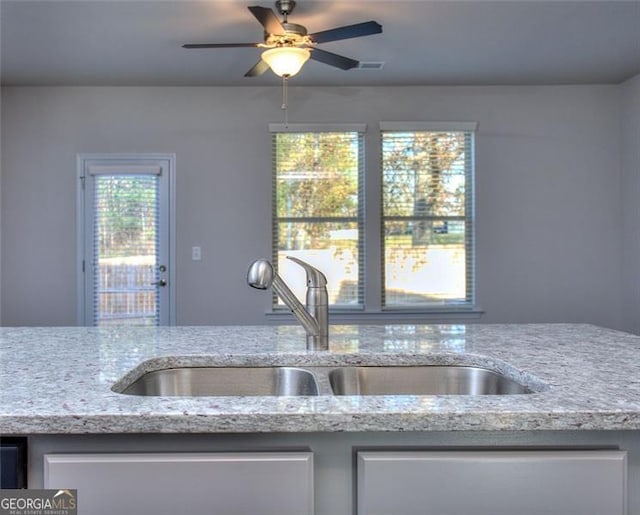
(161, 282)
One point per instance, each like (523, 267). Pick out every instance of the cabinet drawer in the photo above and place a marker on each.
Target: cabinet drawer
(269, 483)
(492, 482)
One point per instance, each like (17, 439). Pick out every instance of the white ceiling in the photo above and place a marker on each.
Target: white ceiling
(138, 42)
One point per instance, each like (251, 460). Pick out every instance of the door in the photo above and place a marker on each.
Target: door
(126, 239)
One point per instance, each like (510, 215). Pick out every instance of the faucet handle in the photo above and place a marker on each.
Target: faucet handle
(315, 278)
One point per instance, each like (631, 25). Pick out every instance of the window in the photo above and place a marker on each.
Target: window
(427, 215)
(418, 231)
(317, 207)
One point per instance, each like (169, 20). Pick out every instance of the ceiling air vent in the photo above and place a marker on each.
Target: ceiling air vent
(370, 65)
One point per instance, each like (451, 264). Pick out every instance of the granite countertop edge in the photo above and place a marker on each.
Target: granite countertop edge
(61, 380)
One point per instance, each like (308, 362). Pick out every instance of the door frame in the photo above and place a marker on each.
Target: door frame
(83, 161)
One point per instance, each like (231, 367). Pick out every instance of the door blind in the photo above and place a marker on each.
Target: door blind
(126, 249)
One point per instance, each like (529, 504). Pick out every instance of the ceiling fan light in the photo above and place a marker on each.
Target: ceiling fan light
(286, 61)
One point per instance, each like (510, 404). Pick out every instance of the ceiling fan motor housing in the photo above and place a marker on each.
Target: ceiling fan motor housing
(296, 35)
(294, 28)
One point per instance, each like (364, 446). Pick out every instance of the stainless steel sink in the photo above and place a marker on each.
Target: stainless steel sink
(210, 381)
(422, 380)
(320, 380)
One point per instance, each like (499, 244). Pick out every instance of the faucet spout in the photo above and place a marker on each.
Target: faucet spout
(309, 323)
(314, 317)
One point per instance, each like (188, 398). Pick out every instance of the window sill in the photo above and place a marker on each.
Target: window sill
(391, 316)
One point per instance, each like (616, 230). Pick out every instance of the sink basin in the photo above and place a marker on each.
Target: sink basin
(422, 380)
(197, 381)
(206, 381)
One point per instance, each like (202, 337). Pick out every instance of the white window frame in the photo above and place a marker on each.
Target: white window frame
(373, 310)
(470, 244)
(136, 162)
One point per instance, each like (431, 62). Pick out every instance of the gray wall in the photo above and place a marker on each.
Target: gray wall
(548, 189)
(630, 126)
(0, 212)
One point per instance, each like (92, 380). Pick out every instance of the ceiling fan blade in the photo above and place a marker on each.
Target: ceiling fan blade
(348, 31)
(220, 45)
(339, 61)
(268, 19)
(258, 69)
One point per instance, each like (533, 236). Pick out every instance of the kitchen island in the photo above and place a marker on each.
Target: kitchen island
(57, 388)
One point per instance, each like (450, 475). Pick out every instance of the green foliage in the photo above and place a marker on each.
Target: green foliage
(317, 176)
(423, 173)
(423, 177)
(126, 215)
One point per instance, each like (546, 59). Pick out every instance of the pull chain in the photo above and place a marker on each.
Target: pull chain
(285, 100)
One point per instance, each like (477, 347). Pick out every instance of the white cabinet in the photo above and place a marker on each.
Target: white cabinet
(266, 483)
(492, 482)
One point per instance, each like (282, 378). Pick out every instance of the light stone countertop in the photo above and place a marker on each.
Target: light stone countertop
(59, 380)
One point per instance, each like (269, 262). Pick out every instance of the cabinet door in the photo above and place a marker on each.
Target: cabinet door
(268, 483)
(492, 483)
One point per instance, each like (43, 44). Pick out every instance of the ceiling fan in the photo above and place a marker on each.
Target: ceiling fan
(288, 45)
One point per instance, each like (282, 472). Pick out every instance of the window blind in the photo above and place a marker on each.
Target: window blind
(317, 195)
(428, 238)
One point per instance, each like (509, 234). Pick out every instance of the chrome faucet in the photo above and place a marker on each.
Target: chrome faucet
(315, 317)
